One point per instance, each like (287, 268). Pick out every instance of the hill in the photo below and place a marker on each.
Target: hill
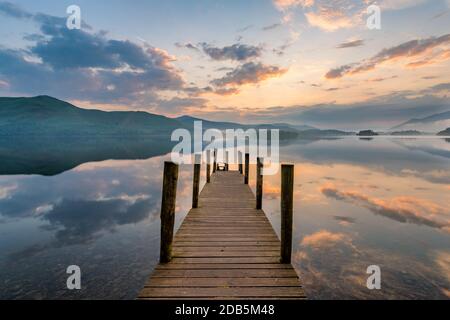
(445, 132)
(431, 123)
(47, 116)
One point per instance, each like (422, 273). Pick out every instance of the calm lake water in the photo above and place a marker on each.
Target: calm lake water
(358, 203)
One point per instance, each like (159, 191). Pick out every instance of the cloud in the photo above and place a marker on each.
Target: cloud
(176, 105)
(345, 221)
(187, 45)
(286, 4)
(338, 14)
(351, 44)
(326, 15)
(13, 10)
(249, 73)
(235, 52)
(324, 239)
(381, 79)
(400, 4)
(401, 209)
(406, 50)
(77, 64)
(271, 27)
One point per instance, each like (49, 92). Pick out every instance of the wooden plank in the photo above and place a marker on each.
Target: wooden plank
(280, 292)
(194, 266)
(212, 254)
(225, 273)
(225, 249)
(227, 260)
(222, 282)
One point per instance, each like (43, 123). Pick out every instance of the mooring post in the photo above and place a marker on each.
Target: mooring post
(196, 180)
(227, 155)
(169, 196)
(241, 171)
(247, 164)
(287, 198)
(208, 166)
(259, 182)
(215, 161)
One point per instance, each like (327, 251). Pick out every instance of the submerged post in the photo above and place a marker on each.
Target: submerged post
(169, 195)
(287, 198)
(208, 166)
(196, 181)
(259, 182)
(247, 163)
(215, 161)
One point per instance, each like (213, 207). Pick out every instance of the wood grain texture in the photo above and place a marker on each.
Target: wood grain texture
(225, 249)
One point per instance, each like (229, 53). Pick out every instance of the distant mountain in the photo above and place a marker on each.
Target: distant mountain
(286, 131)
(446, 132)
(325, 133)
(428, 124)
(220, 125)
(47, 116)
(406, 133)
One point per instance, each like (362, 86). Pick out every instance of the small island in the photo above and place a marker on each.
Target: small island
(446, 132)
(367, 133)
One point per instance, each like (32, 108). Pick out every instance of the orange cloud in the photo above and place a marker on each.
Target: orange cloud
(402, 209)
(325, 239)
(412, 49)
(249, 73)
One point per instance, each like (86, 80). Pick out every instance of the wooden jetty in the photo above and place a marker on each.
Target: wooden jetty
(226, 248)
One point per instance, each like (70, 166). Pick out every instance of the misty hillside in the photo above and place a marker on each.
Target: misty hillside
(47, 116)
(44, 115)
(433, 123)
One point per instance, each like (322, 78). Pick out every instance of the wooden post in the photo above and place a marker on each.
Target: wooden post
(241, 171)
(287, 198)
(226, 160)
(169, 196)
(208, 166)
(247, 163)
(196, 182)
(259, 183)
(215, 161)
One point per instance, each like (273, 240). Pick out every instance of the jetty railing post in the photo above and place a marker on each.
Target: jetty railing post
(241, 171)
(208, 166)
(227, 154)
(287, 198)
(196, 181)
(247, 164)
(215, 161)
(259, 182)
(169, 196)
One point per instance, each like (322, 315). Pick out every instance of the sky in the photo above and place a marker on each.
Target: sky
(299, 61)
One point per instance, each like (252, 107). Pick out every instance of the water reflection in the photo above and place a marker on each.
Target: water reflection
(357, 203)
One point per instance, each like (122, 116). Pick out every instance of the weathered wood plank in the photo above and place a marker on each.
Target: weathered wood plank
(224, 292)
(222, 282)
(225, 249)
(226, 273)
(194, 266)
